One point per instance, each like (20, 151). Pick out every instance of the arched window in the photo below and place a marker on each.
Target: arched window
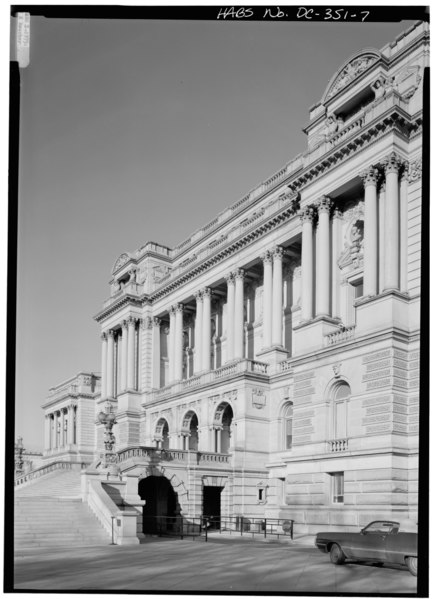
(341, 398)
(162, 434)
(287, 425)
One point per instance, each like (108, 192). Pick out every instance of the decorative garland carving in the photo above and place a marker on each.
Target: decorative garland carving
(352, 70)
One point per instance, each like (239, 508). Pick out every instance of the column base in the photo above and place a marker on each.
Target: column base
(309, 335)
(273, 355)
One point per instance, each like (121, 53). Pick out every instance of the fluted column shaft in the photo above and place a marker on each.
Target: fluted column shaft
(131, 356)
(391, 217)
(110, 362)
(239, 314)
(56, 425)
(124, 353)
(403, 190)
(323, 266)
(206, 329)
(156, 356)
(370, 258)
(230, 318)
(198, 333)
(336, 248)
(172, 345)
(307, 264)
(104, 366)
(277, 327)
(47, 440)
(178, 342)
(70, 425)
(267, 300)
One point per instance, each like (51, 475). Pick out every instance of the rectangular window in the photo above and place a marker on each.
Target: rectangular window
(288, 435)
(337, 491)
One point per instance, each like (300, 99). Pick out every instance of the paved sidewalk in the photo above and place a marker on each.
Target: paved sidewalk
(220, 565)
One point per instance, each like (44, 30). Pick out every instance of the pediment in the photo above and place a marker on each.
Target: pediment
(123, 259)
(350, 70)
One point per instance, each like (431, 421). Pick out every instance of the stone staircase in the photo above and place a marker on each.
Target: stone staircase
(49, 513)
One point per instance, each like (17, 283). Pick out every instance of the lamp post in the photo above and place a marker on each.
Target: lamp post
(108, 419)
(19, 462)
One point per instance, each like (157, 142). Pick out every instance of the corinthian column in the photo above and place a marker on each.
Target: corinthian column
(172, 345)
(307, 217)
(336, 239)
(198, 333)
(239, 314)
(124, 350)
(110, 362)
(323, 266)
(178, 342)
(267, 300)
(156, 356)
(230, 317)
(206, 329)
(404, 228)
(131, 358)
(277, 296)
(104, 366)
(391, 216)
(370, 259)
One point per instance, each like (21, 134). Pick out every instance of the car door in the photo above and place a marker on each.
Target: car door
(371, 543)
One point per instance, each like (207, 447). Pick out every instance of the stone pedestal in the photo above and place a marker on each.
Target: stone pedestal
(273, 355)
(390, 309)
(309, 336)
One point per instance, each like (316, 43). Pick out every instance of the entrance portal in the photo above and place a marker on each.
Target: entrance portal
(161, 509)
(212, 505)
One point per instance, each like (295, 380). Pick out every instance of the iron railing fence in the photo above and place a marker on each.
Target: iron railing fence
(202, 526)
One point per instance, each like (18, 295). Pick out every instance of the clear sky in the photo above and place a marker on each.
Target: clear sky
(134, 131)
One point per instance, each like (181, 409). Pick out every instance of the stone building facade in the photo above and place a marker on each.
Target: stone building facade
(269, 364)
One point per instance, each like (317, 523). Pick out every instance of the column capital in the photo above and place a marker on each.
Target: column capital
(405, 167)
(131, 321)
(179, 307)
(391, 163)
(307, 214)
(110, 333)
(369, 176)
(206, 292)
(103, 336)
(267, 257)
(156, 321)
(239, 273)
(124, 324)
(278, 252)
(147, 323)
(230, 279)
(337, 213)
(324, 204)
(172, 310)
(198, 295)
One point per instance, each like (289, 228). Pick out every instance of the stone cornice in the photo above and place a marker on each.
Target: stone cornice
(124, 300)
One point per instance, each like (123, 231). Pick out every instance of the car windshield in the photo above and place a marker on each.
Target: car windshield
(380, 527)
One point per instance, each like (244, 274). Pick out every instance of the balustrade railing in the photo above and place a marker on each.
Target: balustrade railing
(228, 370)
(174, 455)
(345, 334)
(338, 445)
(43, 470)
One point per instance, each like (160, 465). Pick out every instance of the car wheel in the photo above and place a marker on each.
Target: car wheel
(336, 554)
(412, 565)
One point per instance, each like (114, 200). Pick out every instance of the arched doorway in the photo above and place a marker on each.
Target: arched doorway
(161, 508)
